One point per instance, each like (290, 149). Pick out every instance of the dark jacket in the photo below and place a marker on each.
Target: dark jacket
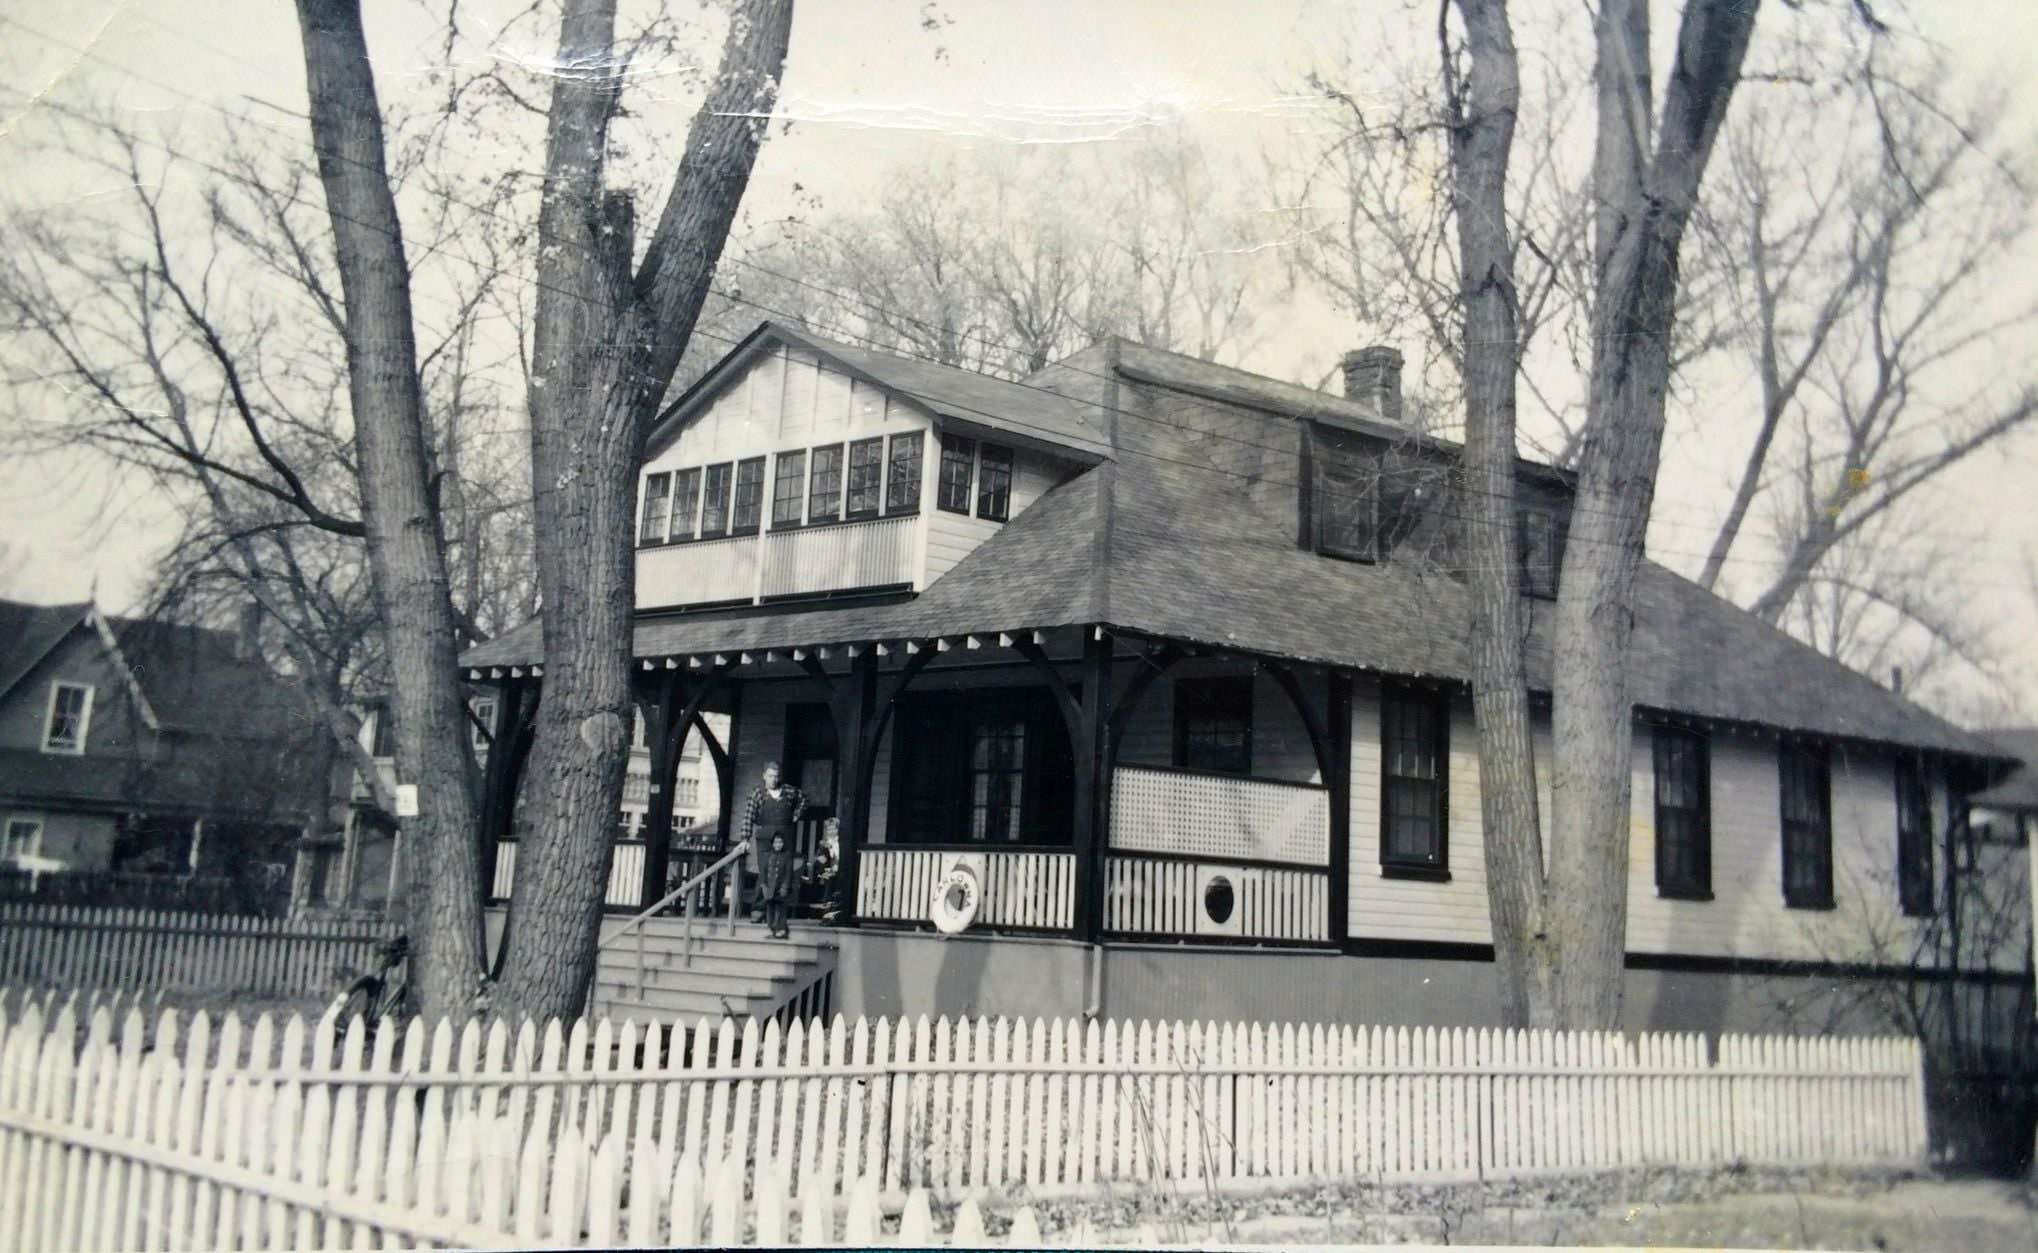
(775, 876)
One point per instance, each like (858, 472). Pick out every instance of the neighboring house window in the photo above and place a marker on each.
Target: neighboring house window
(1806, 781)
(715, 504)
(749, 496)
(657, 509)
(70, 716)
(1414, 747)
(902, 487)
(788, 489)
(683, 822)
(382, 739)
(1345, 499)
(824, 498)
(484, 724)
(686, 502)
(1913, 840)
(994, 484)
(1540, 552)
(1214, 724)
(689, 792)
(958, 470)
(866, 477)
(1683, 815)
(24, 839)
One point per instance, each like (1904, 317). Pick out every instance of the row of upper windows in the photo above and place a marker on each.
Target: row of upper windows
(1414, 765)
(1361, 502)
(865, 478)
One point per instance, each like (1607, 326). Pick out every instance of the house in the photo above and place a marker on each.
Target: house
(1172, 658)
(142, 748)
(353, 866)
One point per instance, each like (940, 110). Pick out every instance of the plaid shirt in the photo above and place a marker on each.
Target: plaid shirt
(756, 802)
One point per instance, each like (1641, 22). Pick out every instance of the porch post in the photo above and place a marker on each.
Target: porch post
(1339, 780)
(725, 767)
(659, 702)
(857, 745)
(499, 776)
(1094, 751)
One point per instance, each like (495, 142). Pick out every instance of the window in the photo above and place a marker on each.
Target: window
(994, 484)
(1807, 827)
(715, 505)
(1913, 840)
(958, 469)
(483, 725)
(1214, 724)
(902, 486)
(1345, 497)
(382, 735)
(689, 791)
(24, 839)
(70, 715)
(997, 770)
(824, 497)
(1414, 743)
(1539, 550)
(749, 496)
(657, 509)
(788, 489)
(983, 766)
(1683, 815)
(686, 502)
(866, 477)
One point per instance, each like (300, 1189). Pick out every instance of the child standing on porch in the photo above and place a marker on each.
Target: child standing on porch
(776, 883)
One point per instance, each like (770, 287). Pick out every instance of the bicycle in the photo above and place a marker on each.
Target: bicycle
(377, 996)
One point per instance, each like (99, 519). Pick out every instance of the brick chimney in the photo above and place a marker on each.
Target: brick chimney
(1373, 377)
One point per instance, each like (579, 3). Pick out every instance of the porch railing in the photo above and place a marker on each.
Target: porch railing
(1197, 899)
(626, 873)
(683, 893)
(1034, 889)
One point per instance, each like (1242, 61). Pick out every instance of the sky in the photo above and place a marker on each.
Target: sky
(873, 86)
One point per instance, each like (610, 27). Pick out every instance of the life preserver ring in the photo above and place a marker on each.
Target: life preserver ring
(956, 898)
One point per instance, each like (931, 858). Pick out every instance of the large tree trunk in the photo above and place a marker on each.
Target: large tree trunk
(406, 550)
(1484, 107)
(1644, 202)
(606, 345)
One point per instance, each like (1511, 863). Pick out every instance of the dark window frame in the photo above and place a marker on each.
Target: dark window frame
(1538, 572)
(902, 493)
(1360, 464)
(779, 478)
(953, 495)
(746, 508)
(657, 496)
(837, 458)
(995, 462)
(717, 481)
(1806, 887)
(686, 486)
(1696, 885)
(935, 738)
(865, 477)
(1206, 700)
(1916, 890)
(1438, 703)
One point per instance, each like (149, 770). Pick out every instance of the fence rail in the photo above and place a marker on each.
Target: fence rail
(309, 1137)
(139, 948)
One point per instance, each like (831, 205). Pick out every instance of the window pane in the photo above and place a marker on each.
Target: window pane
(1683, 837)
(657, 509)
(994, 484)
(749, 495)
(1537, 551)
(1807, 835)
(825, 494)
(958, 469)
(866, 477)
(67, 717)
(788, 490)
(1411, 728)
(715, 507)
(686, 503)
(1213, 724)
(1346, 500)
(902, 491)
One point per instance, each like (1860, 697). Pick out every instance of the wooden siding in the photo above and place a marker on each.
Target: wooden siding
(878, 553)
(697, 574)
(785, 400)
(953, 536)
(1147, 896)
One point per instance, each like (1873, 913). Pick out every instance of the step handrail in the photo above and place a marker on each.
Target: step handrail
(686, 890)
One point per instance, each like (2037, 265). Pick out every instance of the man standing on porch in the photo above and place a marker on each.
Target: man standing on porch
(774, 808)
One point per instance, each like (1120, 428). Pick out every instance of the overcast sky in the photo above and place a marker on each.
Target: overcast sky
(873, 89)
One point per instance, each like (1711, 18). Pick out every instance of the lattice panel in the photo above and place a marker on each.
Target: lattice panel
(1166, 811)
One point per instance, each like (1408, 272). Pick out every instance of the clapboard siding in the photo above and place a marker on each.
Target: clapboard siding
(785, 400)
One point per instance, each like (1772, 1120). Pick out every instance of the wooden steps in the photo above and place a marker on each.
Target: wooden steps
(737, 971)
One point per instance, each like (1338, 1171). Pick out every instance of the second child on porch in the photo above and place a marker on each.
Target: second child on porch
(774, 808)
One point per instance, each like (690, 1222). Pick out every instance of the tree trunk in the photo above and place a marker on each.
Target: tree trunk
(1644, 202)
(605, 347)
(406, 550)
(1484, 108)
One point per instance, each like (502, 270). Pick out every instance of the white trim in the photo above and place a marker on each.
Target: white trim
(49, 718)
(34, 846)
(141, 698)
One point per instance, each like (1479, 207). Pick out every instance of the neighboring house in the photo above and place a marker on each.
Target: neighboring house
(148, 748)
(1173, 658)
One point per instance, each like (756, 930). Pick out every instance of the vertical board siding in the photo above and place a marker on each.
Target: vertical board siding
(626, 873)
(174, 1133)
(1035, 890)
(152, 949)
(1148, 896)
(878, 553)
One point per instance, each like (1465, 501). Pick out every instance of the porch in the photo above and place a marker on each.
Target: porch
(1099, 784)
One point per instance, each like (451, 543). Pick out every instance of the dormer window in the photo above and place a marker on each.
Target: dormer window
(994, 483)
(70, 714)
(1540, 549)
(1344, 498)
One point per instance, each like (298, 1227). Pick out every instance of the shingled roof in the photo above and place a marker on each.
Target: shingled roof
(2019, 791)
(1189, 533)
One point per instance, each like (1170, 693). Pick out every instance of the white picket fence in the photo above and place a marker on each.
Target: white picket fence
(78, 947)
(183, 1136)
